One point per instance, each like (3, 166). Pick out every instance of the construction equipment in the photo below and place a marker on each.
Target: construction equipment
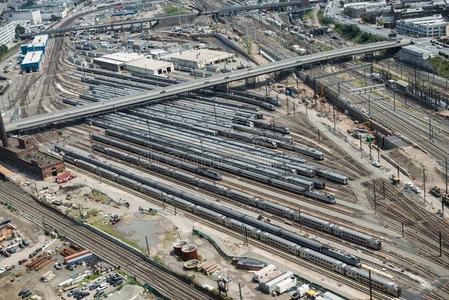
(438, 192)
(394, 179)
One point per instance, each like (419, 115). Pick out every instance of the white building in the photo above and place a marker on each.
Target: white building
(31, 17)
(198, 58)
(7, 33)
(433, 26)
(150, 67)
(116, 61)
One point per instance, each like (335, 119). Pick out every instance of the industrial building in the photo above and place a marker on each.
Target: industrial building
(32, 17)
(134, 63)
(198, 58)
(116, 61)
(39, 43)
(149, 66)
(433, 26)
(32, 61)
(24, 154)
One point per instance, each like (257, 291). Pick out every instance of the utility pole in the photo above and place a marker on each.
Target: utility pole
(424, 182)
(441, 244)
(375, 198)
(148, 247)
(394, 102)
(335, 123)
(370, 285)
(403, 229)
(240, 291)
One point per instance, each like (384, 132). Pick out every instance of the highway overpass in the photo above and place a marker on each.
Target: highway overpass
(299, 6)
(155, 95)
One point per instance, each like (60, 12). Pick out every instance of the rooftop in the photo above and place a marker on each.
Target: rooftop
(123, 57)
(32, 57)
(39, 40)
(151, 64)
(432, 20)
(200, 55)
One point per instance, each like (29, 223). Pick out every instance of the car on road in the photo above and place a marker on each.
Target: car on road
(376, 163)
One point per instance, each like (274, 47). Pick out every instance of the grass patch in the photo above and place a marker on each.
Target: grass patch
(9, 52)
(99, 196)
(322, 47)
(71, 188)
(440, 66)
(172, 10)
(354, 34)
(323, 19)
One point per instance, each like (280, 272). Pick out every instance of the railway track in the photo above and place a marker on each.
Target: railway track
(165, 283)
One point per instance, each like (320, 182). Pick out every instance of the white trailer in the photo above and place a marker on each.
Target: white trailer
(258, 275)
(285, 285)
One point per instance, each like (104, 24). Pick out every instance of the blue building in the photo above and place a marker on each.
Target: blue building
(39, 43)
(32, 61)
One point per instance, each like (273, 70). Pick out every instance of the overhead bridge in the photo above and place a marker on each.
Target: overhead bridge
(155, 95)
(232, 10)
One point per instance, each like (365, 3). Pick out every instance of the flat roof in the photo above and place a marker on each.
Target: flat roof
(39, 40)
(32, 57)
(123, 56)
(432, 20)
(151, 64)
(109, 61)
(200, 55)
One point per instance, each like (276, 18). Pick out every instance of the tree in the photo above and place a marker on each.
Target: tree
(3, 49)
(55, 18)
(19, 31)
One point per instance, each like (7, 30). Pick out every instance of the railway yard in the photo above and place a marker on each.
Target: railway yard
(321, 174)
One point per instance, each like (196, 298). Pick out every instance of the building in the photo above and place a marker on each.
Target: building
(358, 9)
(117, 61)
(23, 154)
(149, 66)
(29, 16)
(433, 26)
(7, 33)
(32, 61)
(39, 43)
(198, 58)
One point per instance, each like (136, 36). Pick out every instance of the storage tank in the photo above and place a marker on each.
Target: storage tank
(177, 246)
(189, 252)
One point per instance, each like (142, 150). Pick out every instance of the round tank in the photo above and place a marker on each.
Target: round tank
(189, 252)
(177, 246)
(191, 264)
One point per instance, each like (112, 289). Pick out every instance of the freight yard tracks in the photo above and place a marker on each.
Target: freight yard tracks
(167, 284)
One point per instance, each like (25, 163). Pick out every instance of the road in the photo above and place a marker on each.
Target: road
(156, 95)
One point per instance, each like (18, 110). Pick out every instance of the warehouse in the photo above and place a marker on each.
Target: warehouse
(433, 26)
(199, 58)
(116, 61)
(149, 66)
(32, 61)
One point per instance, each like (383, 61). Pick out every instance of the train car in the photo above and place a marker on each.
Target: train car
(323, 260)
(333, 176)
(325, 197)
(377, 282)
(300, 240)
(209, 173)
(356, 237)
(277, 209)
(313, 222)
(341, 256)
(279, 243)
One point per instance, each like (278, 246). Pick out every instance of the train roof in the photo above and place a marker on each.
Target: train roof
(301, 240)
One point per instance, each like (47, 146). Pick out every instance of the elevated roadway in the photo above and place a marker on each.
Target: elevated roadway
(299, 6)
(156, 95)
